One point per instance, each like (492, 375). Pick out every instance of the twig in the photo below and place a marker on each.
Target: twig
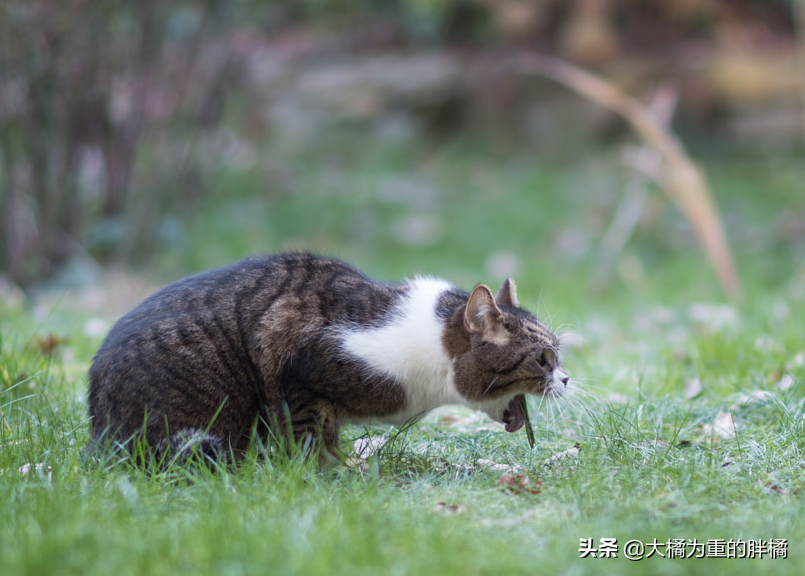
(684, 182)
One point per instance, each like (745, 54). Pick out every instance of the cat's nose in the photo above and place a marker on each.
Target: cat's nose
(561, 376)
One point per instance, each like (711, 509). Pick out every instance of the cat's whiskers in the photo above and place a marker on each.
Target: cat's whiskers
(574, 406)
(492, 383)
(552, 406)
(559, 330)
(560, 409)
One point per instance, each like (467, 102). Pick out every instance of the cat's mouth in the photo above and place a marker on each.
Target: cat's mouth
(513, 416)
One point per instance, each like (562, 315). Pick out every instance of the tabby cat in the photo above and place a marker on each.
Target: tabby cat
(294, 345)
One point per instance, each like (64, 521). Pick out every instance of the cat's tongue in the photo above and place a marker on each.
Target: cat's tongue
(513, 416)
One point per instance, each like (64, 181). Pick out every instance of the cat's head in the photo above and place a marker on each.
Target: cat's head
(500, 350)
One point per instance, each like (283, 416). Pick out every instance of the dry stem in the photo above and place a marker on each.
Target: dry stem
(683, 180)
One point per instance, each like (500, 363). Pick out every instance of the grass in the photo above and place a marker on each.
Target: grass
(649, 463)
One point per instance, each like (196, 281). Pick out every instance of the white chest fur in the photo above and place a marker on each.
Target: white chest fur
(409, 349)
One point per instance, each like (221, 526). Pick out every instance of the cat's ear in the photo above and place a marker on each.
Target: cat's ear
(483, 316)
(507, 295)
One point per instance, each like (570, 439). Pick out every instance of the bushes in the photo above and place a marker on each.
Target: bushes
(102, 102)
(85, 83)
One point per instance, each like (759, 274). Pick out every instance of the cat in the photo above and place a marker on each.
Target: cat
(294, 345)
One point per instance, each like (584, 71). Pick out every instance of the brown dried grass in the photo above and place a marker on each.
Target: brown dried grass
(679, 176)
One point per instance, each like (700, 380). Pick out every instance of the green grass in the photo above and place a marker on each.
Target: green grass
(649, 465)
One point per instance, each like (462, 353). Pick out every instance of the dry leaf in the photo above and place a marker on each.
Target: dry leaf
(774, 487)
(470, 422)
(365, 447)
(448, 509)
(753, 397)
(570, 453)
(498, 467)
(785, 382)
(40, 468)
(714, 316)
(796, 363)
(723, 426)
(356, 463)
(448, 420)
(766, 343)
(693, 388)
(519, 483)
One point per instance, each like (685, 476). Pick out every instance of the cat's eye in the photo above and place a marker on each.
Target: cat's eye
(547, 359)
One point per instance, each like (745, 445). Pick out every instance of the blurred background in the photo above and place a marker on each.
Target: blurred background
(141, 141)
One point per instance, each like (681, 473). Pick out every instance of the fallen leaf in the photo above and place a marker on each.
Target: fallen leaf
(723, 426)
(454, 466)
(519, 483)
(714, 316)
(785, 382)
(365, 447)
(774, 487)
(766, 343)
(470, 421)
(569, 453)
(797, 361)
(40, 468)
(498, 467)
(753, 397)
(512, 480)
(448, 509)
(693, 388)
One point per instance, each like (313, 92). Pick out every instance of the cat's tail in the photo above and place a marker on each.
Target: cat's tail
(188, 446)
(192, 444)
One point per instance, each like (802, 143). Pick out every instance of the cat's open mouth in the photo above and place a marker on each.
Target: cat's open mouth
(513, 416)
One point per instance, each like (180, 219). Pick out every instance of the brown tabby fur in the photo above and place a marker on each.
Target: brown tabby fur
(231, 352)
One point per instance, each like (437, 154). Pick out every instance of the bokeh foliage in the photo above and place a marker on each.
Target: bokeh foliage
(109, 110)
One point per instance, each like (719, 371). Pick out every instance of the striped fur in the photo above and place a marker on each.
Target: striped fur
(304, 343)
